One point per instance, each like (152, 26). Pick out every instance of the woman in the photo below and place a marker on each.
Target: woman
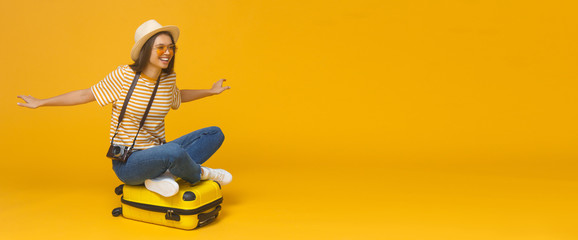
(153, 162)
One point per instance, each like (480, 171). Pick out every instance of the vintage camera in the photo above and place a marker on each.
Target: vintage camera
(118, 153)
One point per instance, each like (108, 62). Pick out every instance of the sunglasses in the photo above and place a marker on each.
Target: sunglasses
(161, 49)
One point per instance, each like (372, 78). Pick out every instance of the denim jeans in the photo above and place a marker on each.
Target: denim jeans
(182, 157)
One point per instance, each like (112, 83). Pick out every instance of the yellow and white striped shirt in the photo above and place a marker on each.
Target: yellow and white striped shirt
(113, 89)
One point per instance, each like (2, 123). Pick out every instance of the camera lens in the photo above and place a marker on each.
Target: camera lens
(117, 151)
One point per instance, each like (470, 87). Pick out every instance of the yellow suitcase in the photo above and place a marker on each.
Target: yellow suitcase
(192, 207)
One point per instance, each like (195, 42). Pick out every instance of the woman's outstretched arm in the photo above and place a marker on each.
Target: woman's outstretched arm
(188, 95)
(67, 99)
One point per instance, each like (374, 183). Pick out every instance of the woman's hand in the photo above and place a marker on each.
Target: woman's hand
(218, 87)
(31, 102)
(188, 95)
(67, 99)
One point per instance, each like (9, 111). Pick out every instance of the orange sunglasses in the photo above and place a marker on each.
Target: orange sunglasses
(161, 49)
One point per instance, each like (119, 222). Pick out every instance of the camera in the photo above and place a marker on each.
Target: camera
(118, 152)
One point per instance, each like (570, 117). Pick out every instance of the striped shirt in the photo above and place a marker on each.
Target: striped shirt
(113, 89)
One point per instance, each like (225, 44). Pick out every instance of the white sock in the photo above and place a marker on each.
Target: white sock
(205, 173)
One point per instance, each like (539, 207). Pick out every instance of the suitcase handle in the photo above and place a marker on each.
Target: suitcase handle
(206, 218)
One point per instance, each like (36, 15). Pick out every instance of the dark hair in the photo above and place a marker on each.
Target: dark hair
(145, 55)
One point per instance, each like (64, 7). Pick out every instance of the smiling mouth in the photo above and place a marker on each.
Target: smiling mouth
(165, 59)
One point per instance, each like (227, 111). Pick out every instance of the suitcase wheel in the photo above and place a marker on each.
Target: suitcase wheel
(117, 212)
(118, 190)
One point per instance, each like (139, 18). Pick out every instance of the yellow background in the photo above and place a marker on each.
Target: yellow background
(346, 119)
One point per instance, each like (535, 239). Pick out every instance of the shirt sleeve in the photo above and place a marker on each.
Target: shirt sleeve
(108, 90)
(176, 98)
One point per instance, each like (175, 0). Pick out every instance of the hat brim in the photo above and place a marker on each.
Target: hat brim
(135, 52)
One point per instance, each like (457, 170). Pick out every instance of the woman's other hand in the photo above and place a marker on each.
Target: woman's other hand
(30, 102)
(67, 99)
(218, 87)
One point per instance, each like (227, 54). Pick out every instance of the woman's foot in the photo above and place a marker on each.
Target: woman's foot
(165, 185)
(219, 175)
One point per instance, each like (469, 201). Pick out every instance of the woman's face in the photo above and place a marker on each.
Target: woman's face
(162, 52)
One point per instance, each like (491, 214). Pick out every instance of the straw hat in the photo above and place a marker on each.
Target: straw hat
(146, 31)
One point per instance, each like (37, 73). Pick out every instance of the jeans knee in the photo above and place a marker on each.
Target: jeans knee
(216, 132)
(213, 130)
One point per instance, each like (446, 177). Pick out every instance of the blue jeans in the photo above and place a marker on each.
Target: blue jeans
(182, 157)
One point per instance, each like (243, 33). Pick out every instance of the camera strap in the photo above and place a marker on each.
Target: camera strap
(125, 104)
